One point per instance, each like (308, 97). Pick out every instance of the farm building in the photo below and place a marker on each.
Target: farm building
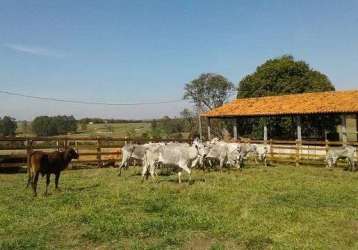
(343, 104)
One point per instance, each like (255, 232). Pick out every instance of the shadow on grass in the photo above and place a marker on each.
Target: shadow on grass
(83, 188)
(12, 170)
(191, 182)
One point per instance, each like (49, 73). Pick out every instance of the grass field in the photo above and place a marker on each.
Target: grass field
(278, 207)
(110, 129)
(116, 129)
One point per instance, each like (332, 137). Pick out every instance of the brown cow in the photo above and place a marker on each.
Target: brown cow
(47, 164)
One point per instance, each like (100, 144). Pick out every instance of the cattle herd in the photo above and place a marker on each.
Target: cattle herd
(179, 156)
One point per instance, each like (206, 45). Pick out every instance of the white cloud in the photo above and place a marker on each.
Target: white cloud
(38, 51)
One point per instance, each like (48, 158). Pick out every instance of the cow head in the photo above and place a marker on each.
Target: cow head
(70, 154)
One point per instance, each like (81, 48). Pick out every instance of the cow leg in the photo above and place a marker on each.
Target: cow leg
(152, 172)
(144, 171)
(255, 158)
(328, 163)
(120, 168)
(351, 163)
(194, 162)
(57, 178)
(265, 161)
(179, 177)
(353, 166)
(47, 183)
(221, 164)
(186, 169)
(35, 179)
(210, 165)
(29, 177)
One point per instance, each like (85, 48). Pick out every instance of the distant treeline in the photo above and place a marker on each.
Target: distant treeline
(100, 121)
(178, 127)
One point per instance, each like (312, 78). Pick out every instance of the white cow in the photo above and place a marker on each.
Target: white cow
(225, 153)
(135, 151)
(260, 152)
(180, 155)
(344, 152)
(257, 151)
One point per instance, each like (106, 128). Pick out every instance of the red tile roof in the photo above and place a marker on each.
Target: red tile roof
(295, 104)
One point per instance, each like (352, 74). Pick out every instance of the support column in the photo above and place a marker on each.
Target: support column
(299, 129)
(343, 129)
(235, 129)
(299, 140)
(265, 131)
(209, 129)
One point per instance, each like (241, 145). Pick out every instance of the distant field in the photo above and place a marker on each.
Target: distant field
(110, 129)
(278, 207)
(116, 129)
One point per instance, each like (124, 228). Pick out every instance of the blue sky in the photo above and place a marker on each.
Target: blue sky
(134, 51)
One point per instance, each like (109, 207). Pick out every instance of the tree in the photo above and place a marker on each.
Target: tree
(8, 126)
(283, 75)
(210, 90)
(56, 125)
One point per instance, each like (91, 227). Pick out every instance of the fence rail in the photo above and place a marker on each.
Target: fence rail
(102, 150)
(98, 151)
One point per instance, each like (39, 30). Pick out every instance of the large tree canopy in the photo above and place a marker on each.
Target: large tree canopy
(209, 90)
(283, 75)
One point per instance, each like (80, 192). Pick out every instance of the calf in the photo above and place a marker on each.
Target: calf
(344, 152)
(47, 164)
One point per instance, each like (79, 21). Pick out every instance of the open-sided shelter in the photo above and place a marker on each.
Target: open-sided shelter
(343, 103)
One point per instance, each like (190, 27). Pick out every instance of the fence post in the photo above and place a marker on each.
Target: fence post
(76, 147)
(58, 144)
(271, 149)
(99, 160)
(65, 144)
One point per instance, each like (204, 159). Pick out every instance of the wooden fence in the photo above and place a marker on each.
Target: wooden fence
(98, 151)
(105, 151)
